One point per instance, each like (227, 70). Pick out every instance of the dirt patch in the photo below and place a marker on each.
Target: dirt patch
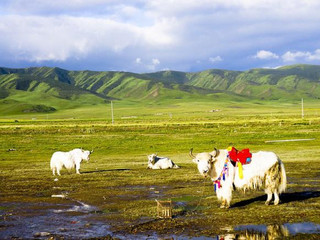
(67, 220)
(105, 203)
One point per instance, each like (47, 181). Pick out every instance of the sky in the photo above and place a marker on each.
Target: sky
(155, 35)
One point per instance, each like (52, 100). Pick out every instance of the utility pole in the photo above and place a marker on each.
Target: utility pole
(112, 118)
(302, 112)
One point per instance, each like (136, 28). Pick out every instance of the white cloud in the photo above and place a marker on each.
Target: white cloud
(293, 56)
(215, 59)
(154, 64)
(184, 34)
(56, 7)
(262, 54)
(301, 56)
(150, 65)
(315, 55)
(163, 7)
(155, 61)
(36, 38)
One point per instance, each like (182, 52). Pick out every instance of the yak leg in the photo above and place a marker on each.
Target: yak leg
(225, 194)
(272, 183)
(78, 168)
(225, 204)
(269, 198)
(276, 198)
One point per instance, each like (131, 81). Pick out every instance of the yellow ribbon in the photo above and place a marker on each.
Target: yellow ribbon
(240, 170)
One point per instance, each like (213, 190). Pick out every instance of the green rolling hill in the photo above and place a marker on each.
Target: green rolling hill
(45, 89)
(294, 81)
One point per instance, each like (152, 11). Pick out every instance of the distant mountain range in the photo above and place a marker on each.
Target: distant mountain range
(44, 89)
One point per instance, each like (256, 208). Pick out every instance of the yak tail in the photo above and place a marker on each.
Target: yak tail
(283, 182)
(51, 165)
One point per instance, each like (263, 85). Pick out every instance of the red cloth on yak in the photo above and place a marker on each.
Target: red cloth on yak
(240, 156)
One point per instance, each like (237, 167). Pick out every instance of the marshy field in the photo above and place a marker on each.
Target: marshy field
(115, 196)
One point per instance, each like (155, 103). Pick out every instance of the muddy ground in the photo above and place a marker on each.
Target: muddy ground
(57, 215)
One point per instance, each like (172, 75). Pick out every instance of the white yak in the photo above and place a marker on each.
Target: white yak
(68, 160)
(265, 170)
(156, 162)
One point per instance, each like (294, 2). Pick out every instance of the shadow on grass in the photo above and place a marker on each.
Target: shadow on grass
(108, 170)
(249, 201)
(299, 196)
(285, 198)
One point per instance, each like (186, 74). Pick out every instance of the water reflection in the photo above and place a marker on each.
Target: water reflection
(270, 232)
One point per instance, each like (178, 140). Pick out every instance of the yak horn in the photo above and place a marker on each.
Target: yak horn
(190, 153)
(91, 151)
(216, 152)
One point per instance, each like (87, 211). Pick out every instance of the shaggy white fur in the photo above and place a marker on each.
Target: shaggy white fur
(156, 162)
(266, 171)
(68, 160)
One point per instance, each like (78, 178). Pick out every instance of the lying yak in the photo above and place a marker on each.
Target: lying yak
(265, 170)
(156, 162)
(68, 160)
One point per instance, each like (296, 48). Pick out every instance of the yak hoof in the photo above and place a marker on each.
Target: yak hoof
(267, 203)
(224, 204)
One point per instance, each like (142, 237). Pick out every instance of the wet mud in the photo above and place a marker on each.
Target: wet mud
(73, 219)
(66, 220)
(196, 214)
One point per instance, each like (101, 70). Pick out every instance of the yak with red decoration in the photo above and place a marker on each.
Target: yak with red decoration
(262, 170)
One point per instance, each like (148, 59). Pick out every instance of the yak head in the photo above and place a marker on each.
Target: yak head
(152, 159)
(205, 161)
(86, 155)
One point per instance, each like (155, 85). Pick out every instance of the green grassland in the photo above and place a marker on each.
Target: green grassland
(43, 110)
(54, 90)
(116, 179)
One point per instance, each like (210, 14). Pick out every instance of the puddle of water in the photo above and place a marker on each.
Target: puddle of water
(150, 192)
(279, 231)
(42, 220)
(28, 221)
(81, 208)
(306, 227)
